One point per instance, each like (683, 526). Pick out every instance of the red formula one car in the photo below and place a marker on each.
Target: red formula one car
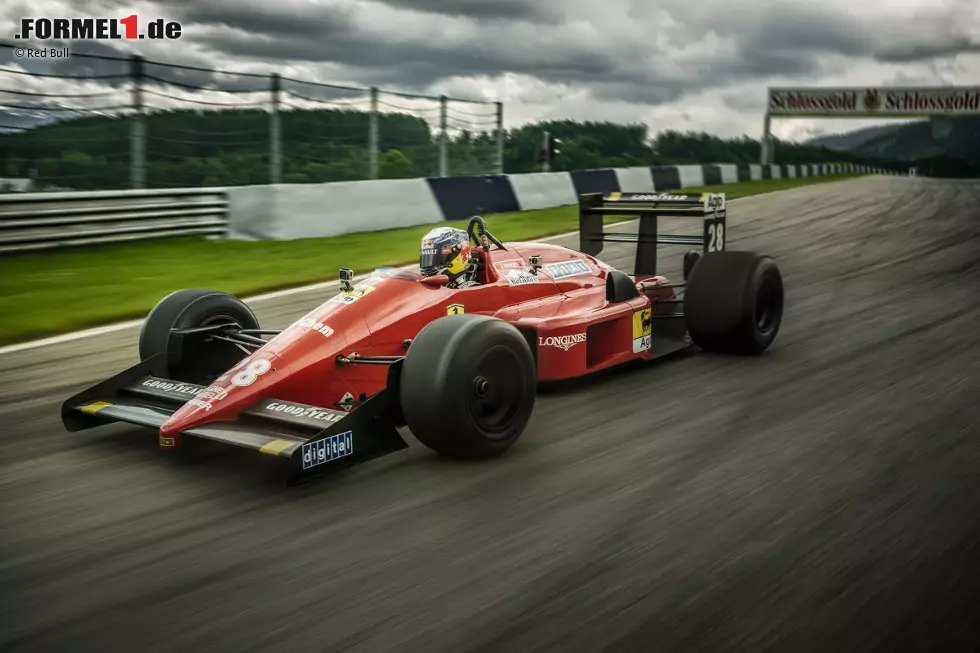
(455, 356)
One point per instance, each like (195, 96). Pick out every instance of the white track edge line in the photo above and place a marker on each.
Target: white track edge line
(120, 326)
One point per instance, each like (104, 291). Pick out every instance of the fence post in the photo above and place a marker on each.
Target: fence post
(766, 149)
(275, 131)
(137, 126)
(500, 138)
(545, 157)
(373, 139)
(443, 139)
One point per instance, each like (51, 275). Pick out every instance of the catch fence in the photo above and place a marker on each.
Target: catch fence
(107, 123)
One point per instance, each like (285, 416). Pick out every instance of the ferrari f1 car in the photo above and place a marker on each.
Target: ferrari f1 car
(458, 366)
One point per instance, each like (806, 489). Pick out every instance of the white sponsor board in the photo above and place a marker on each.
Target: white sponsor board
(875, 102)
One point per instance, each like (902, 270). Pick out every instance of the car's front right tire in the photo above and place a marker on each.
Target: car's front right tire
(733, 302)
(194, 359)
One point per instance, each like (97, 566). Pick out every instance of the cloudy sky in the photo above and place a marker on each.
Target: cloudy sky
(682, 64)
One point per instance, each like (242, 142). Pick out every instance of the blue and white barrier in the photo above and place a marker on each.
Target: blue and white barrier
(292, 211)
(288, 211)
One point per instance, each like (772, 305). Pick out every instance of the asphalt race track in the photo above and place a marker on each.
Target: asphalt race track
(823, 497)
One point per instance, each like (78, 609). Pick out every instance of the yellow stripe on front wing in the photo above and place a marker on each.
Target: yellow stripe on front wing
(92, 409)
(276, 447)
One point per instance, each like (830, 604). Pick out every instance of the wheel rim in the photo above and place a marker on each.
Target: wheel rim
(767, 306)
(496, 391)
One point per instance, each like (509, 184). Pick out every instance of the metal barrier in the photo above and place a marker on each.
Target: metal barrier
(55, 220)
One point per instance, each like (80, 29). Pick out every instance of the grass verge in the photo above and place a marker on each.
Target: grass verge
(49, 293)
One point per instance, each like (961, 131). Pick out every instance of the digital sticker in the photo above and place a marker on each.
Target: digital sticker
(328, 449)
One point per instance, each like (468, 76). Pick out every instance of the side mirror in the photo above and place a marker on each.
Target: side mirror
(435, 280)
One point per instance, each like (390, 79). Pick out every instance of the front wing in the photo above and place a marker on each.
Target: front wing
(311, 440)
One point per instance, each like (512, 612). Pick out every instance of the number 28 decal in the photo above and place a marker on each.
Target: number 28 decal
(246, 372)
(716, 236)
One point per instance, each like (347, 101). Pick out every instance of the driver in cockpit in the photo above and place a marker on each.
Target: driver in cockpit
(446, 250)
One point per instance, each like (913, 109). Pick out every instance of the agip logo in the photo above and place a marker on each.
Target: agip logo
(97, 29)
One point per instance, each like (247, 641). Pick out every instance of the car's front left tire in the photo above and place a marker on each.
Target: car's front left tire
(468, 386)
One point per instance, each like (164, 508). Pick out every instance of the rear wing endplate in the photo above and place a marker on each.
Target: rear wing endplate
(648, 208)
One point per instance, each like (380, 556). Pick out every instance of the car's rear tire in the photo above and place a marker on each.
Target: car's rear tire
(468, 386)
(734, 302)
(196, 358)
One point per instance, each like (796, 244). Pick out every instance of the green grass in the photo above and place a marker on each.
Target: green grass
(49, 293)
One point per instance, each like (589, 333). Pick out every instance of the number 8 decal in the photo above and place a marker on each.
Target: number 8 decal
(716, 235)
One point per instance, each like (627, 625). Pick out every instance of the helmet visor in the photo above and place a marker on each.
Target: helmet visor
(435, 259)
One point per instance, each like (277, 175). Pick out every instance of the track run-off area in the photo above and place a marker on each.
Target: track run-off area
(822, 497)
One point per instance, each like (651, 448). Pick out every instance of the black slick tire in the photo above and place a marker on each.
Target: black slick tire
(468, 386)
(194, 359)
(733, 303)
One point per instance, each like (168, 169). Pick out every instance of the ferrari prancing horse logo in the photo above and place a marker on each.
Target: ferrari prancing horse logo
(642, 330)
(455, 309)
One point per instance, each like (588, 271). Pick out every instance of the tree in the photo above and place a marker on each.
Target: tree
(221, 147)
(395, 165)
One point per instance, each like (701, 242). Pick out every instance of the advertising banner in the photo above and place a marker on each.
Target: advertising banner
(874, 102)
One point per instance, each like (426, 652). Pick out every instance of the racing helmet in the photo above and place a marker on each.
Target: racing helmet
(445, 250)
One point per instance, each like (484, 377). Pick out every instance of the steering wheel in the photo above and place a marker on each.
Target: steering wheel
(481, 236)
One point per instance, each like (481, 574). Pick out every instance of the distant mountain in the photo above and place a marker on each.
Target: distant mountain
(850, 140)
(946, 146)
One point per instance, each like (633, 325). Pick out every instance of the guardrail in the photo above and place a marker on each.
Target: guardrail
(53, 220)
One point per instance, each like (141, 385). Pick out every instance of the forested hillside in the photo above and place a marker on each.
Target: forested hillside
(849, 140)
(946, 147)
(192, 148)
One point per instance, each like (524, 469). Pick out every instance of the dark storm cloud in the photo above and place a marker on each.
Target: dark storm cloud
(765, 42)
(288, 20)
(418, 64)
(804, 30)
(906, 52)
(825, 29)
(484, 9)
(636, 51)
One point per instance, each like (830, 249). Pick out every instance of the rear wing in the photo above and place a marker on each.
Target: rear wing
(709, 208)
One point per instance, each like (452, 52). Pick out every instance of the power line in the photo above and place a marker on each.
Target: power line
(7, 105)
(53, 76)
(336, 102)
(58, 95)
(213, 104)
(202, 88)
